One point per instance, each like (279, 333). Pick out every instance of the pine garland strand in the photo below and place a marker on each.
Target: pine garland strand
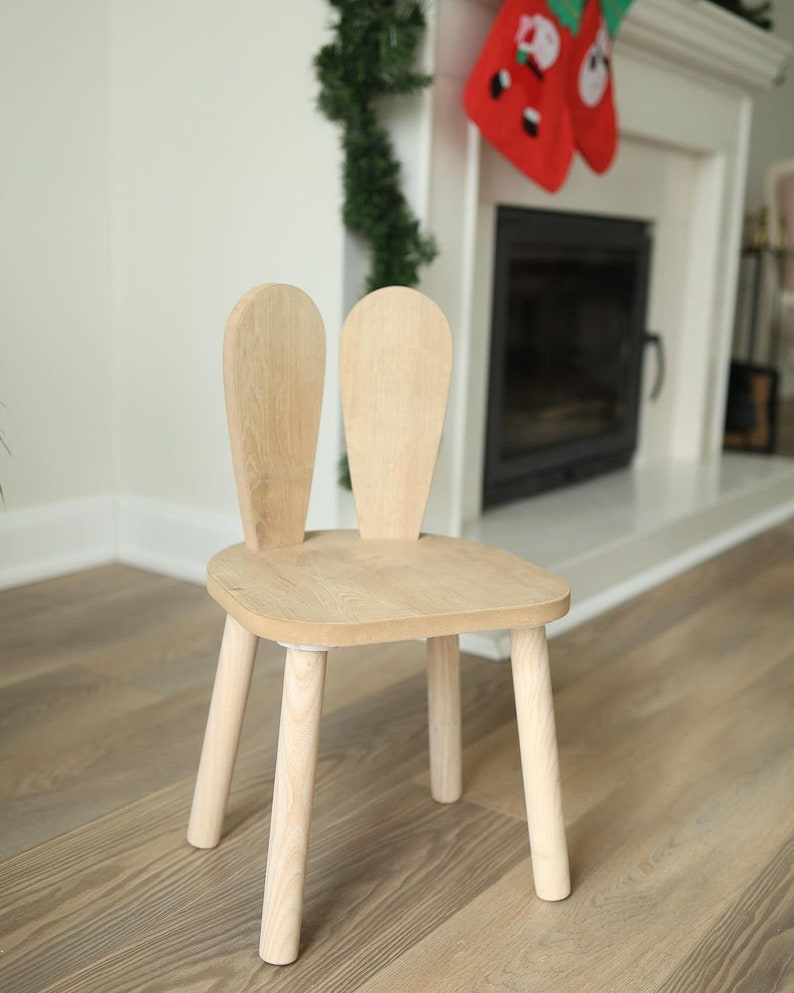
(372, 57)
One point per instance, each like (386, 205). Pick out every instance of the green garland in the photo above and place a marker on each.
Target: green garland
(757, 13)
(371, 57)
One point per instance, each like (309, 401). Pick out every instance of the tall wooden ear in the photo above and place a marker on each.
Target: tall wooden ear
(273, 370)
(395, 367)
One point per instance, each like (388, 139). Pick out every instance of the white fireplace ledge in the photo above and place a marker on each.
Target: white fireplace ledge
(617, 536)
(699, 36)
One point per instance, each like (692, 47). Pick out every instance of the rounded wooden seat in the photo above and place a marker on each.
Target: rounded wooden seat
(336, 589)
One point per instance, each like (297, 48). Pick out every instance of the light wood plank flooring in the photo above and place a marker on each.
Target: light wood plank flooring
(676, 725)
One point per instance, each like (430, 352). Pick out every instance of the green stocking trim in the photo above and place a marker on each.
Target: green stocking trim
(614, 11)
(568, 13)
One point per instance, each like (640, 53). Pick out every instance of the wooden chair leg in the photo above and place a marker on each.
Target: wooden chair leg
(539, 762)
(443, 707)
(222, 736)
(293, 795)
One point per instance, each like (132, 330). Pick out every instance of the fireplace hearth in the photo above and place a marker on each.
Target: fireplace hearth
(568, 328)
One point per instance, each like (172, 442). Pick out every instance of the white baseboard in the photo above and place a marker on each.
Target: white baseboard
(42, 542)
(170, 538)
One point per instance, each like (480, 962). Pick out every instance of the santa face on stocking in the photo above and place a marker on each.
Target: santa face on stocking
(516, 92)
(537, 43)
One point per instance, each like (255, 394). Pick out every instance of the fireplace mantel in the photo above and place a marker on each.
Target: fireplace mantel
(700, 37)
(685, 75)
(703, 38)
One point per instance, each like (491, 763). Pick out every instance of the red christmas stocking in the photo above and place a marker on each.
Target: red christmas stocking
(516, 94)
(590, 92)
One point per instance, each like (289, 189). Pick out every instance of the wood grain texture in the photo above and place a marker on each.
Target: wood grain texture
(140, 846)
(395, 363)
(751, 947)
(376, 738)
(222, 735)
(539, 762)
(655, 863)
(737, 630)
(337, 589)
(443, 718)
(677, 761)
(49, 782)
(293, 798)
(273, 369)
(86, 625)
(361, 910)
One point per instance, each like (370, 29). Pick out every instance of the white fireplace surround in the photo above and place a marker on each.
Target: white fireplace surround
(685, 74)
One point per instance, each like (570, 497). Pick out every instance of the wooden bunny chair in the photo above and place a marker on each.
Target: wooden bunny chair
(386, 582)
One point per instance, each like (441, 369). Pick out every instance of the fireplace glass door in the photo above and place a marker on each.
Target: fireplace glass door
(567, 337)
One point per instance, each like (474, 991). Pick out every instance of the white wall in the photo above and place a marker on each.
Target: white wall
(55, 340)
(226, 175)
(772, 134)
(160, 157)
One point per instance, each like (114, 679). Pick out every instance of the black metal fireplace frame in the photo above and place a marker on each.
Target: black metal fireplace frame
(565, 462)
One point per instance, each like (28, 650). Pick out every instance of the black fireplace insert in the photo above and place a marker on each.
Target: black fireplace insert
(568, 329)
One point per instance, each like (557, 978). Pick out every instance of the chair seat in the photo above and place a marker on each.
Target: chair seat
(337, 589)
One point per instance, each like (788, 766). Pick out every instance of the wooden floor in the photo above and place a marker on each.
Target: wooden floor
(676, 727)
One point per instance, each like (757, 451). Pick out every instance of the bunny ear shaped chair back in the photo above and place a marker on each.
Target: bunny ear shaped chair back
(386, 582)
